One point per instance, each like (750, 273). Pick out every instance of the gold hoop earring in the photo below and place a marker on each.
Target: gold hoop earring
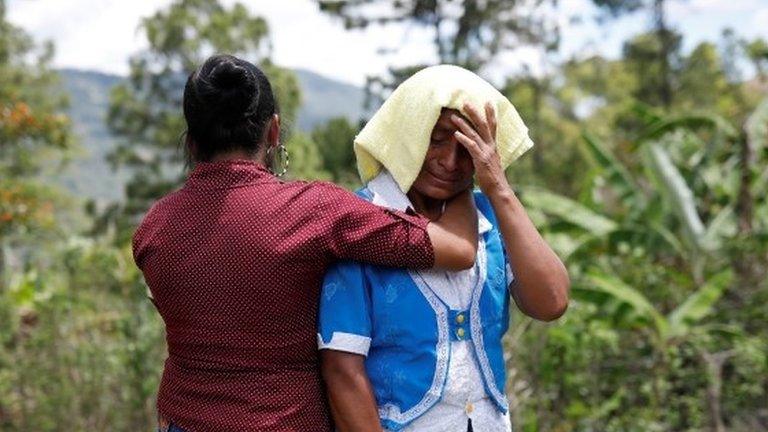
(284, 160)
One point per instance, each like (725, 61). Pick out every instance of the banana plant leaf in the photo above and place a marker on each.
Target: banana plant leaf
(600, 155)
(699, 304)
(679, 195)
(568, 210)
(691, 122)
(609, 284)
(756, 127)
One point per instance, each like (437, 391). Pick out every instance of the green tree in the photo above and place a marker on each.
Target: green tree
(334, 141)
(306, 162)
(32, 105)
(33, 130)
(146, 113)
(469, 34)
(663, 48)
(757, 53)
(654, 60)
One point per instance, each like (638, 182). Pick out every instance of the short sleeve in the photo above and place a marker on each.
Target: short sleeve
(344, 317)
(355, 229)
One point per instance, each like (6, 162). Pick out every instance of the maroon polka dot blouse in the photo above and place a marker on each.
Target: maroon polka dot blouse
(235, 261)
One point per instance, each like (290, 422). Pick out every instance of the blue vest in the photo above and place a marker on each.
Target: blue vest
(411, 328)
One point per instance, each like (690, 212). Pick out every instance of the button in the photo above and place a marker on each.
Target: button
(460, 333)
(460, 318)
(469, 408)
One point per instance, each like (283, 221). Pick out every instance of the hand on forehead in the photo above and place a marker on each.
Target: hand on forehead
(445, 123)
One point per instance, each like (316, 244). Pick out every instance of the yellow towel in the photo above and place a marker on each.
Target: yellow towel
(397, 136)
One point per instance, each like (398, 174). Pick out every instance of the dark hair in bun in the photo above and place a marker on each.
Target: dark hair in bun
(227, 104)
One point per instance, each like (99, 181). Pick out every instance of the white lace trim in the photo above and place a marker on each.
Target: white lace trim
(347, 342)
(391, 411)
(476, 328)
(510, 274)
(444, 417)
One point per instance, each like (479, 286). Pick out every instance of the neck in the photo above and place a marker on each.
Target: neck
(259, 156)
(429, 207)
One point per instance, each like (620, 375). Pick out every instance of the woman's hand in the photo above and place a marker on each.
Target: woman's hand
(480, 142)
(541, 284)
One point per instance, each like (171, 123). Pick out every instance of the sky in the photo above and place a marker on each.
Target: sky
(102, 34)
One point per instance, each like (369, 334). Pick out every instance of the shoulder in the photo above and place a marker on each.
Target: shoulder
(322, 189)
(328, 196)
(153, 222)
(159, 210)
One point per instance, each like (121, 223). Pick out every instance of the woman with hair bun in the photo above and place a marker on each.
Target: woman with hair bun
(235, 259)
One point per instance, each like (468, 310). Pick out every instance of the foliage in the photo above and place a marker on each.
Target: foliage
(655, 204)
(89, 341)
(469, 34)
(31, 119)
(146, 111)
(661, 277)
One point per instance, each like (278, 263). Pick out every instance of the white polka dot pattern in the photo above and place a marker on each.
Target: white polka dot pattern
(235, 261)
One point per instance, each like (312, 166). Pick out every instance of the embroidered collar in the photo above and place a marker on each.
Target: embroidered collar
(387, 193)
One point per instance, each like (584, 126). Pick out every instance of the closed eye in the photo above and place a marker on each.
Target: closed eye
(437, 141)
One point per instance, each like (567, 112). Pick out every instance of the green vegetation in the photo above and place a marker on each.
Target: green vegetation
(649, 178)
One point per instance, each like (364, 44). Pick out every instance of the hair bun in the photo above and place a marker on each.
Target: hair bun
(236, 87)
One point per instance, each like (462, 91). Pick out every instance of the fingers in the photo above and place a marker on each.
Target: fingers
(490, 116)
(481, 124)
(471, 145)
(467, 129)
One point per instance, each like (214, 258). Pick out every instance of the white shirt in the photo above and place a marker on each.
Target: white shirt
(464, 395)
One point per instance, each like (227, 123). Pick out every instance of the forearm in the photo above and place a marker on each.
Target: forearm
(350, 394)
(454, 235)
(541, 288)
(541, 280)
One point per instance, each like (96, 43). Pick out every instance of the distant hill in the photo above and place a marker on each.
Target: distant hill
(325, 98)
(89, 174)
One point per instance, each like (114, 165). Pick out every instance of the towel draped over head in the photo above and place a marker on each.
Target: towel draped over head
(398, 135)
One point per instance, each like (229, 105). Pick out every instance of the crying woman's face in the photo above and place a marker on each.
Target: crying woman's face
(447, 168)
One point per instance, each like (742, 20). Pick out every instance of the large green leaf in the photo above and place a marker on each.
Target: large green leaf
(699, 304)
(679, 195)
(757, 127)
(623, 292)
(722, 226)
(660, 128)
(568, 210)
(600, 155)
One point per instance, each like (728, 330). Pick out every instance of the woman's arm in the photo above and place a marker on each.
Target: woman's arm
(454, 235)
(541, 281)
(358, 230)
(349, 392)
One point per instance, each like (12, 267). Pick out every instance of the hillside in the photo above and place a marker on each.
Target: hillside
(89, 175)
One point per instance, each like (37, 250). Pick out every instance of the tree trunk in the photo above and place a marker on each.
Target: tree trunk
(745, 203)
(714, 365)
(664, 35)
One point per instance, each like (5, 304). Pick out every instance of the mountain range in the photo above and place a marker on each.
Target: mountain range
(89, 175)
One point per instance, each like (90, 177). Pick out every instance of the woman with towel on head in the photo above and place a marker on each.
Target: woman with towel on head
(421, 350)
